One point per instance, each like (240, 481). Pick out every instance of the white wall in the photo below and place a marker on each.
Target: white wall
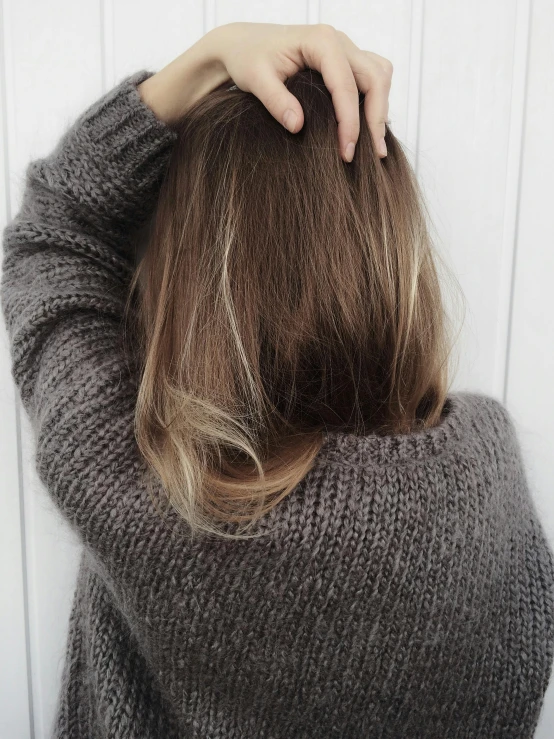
(472, 97)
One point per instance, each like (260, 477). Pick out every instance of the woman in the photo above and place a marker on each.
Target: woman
(282, 366)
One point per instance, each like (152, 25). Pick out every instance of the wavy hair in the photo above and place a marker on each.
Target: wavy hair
(282, 293)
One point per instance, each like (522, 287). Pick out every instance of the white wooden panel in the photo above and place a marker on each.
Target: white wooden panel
(464, 152)
(15, 719)
(530, 391)
(388, 28)
(133, 41)
(55, 72)
(261, 11)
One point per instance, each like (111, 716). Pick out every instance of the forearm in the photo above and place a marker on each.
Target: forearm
(102, 177)
(69, 249)
(174, 89)
(68, 257)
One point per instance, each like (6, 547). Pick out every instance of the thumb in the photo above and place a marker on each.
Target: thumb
(281, 103)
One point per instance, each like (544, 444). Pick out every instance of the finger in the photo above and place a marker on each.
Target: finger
(375, 82)
(281, 103)
(329, 58)
(373, 75)
(376, 117)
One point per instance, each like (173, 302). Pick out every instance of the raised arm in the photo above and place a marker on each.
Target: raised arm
(68, 256)
(67, 263)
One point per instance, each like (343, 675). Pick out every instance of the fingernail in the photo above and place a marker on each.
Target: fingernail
(289, 119)
(382, 148)
(349, 153)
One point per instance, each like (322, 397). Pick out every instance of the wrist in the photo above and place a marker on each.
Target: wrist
(175, 88)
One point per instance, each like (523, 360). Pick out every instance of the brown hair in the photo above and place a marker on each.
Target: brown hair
(282, 293)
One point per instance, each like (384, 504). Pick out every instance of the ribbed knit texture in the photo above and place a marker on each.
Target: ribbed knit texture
(406, 592)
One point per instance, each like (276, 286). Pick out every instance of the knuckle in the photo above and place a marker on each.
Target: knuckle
(326, 30)
(387, 67)
(382, 78)
(257, 76)
(350, 86)
(272, 100)
(379, 132)
(380, 66)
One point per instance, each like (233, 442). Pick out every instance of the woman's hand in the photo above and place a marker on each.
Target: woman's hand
(259, 57)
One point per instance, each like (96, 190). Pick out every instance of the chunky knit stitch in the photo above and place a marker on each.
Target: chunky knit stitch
(406, 591)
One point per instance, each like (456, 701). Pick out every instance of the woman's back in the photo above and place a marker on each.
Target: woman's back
(402, 589)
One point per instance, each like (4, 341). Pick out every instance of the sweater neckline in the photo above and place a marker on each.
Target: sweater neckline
(347, 447)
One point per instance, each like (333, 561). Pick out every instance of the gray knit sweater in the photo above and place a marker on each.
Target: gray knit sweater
(406, 592)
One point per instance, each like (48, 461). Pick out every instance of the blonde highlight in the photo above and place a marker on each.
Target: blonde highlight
(282, 293)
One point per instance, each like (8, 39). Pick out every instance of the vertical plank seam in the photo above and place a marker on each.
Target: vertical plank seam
(209, 15)
(5, 64)
(512, 199)
(413, 115)
(313, 11)
(107, 49)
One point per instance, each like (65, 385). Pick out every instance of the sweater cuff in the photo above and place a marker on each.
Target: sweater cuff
(109, 163)
(122, 122)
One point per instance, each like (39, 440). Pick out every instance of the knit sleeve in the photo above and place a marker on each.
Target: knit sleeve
(67, 262)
